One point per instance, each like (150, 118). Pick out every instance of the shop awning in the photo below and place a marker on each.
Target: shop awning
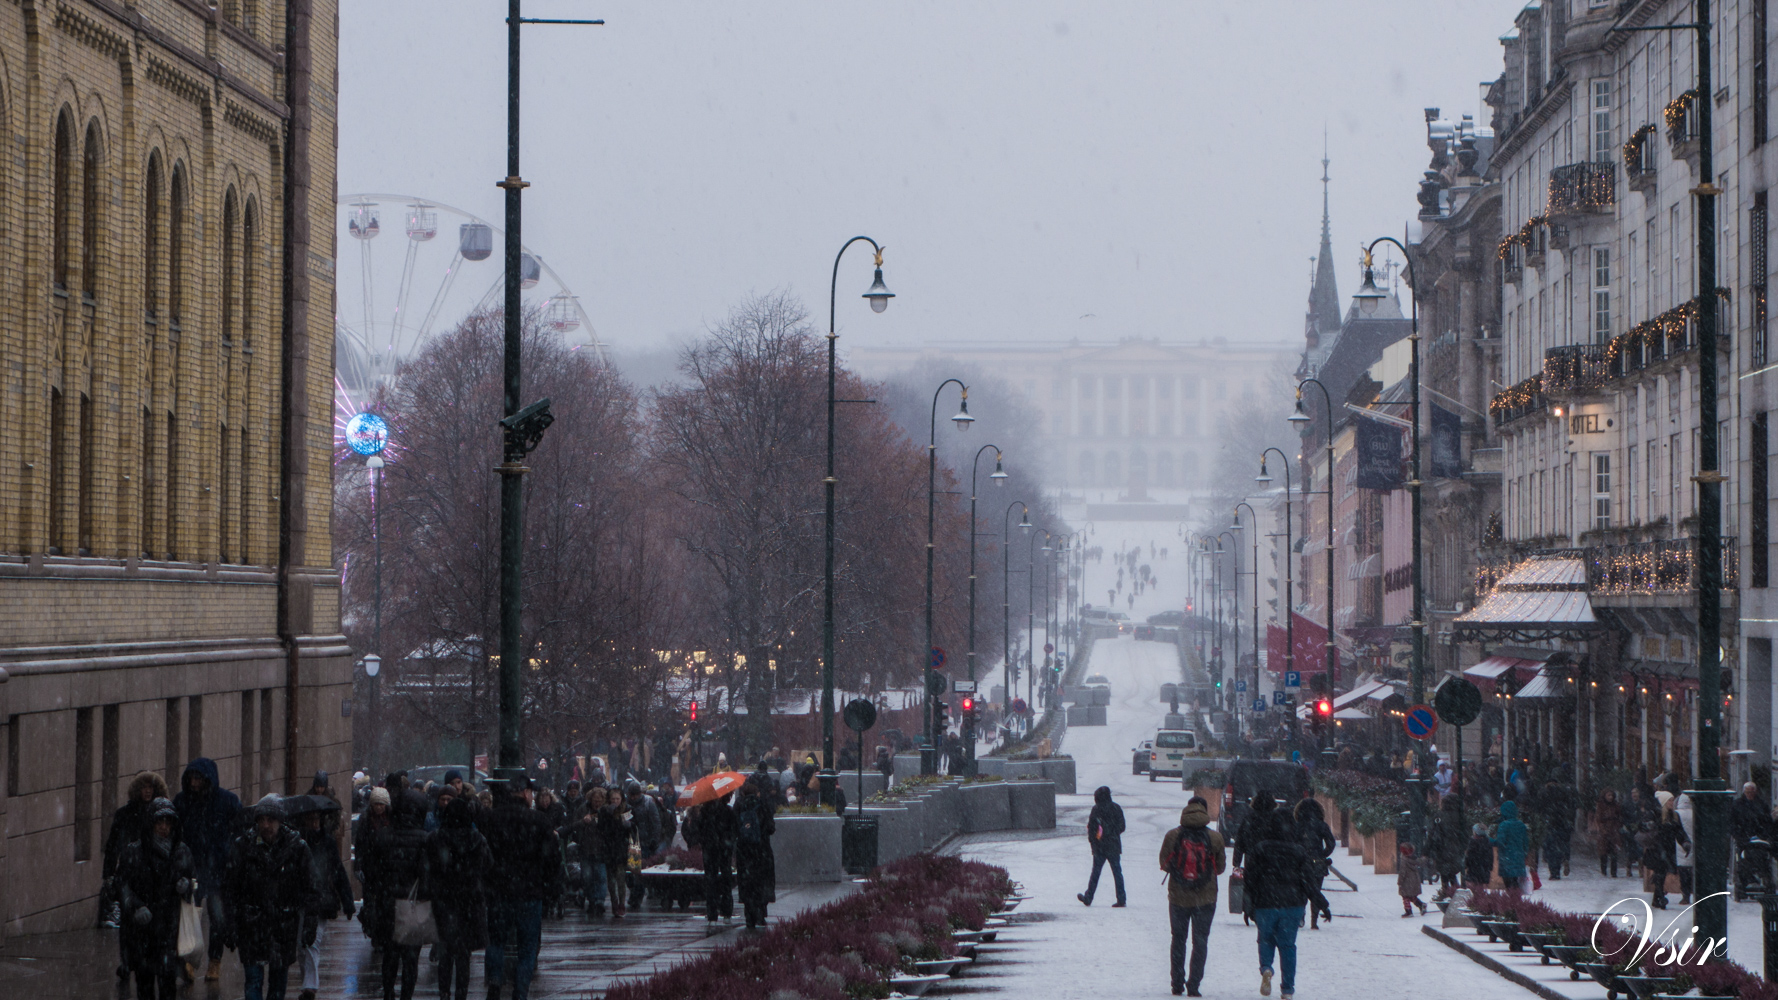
(1380, 695)
(1351, 715)
(1491, 668)
(1542, 686)
(1541, 598)
(1357, 693)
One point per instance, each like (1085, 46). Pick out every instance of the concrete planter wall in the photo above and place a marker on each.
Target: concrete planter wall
(1033, 805)
(1096, 715)
(1060, 772)
(1016, 769)
(907, 765)
(1383, 847)
(874, 782)
(944, 813)
(1075, 715)
(985, 806)
(990, 766)
(898, 833)
(807, 849)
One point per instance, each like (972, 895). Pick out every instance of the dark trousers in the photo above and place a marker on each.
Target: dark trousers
(157, 975)
(401, 963)
(1195, 920)
(719, 899)
(1555, 851)
(1117, 874)
(505, 918)
(264, 980)
(217, 922)
(453, 967)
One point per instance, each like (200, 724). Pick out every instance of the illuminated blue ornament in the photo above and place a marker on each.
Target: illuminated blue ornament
(367, 434)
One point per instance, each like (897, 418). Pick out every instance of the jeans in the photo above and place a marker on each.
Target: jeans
(595, 884)
(1117, 874)
(309, 959)
(216, 922)
(1277, 928)
(263, 987)
(1555, 851)
(1196, 920)
(504, 917)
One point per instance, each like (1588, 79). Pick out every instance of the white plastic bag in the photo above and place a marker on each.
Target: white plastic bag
(413, 921)
(191, 932)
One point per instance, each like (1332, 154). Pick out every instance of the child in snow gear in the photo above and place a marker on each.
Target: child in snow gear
(153, 875)
(1192, 857)
(1407, 881)
(1105, 831)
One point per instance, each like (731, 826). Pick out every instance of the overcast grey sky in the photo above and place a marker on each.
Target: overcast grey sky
(1151, 167)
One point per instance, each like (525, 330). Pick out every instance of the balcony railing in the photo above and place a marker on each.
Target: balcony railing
(1581, 188)
(1661, 567)
(1576, 368)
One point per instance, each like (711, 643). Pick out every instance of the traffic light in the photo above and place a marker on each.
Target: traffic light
(968, 720)
(968, 704)
(941, 717)
(694, 712)
(1323, 712)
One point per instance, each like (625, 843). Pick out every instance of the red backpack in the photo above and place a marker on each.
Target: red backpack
(1193, 861)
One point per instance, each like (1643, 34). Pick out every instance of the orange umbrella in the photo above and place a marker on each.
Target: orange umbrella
(710, 788)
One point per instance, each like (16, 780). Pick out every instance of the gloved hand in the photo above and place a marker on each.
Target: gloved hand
(182, 887)
(143, 916)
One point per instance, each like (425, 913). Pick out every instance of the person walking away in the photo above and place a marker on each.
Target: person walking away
(1557, 806)
(1445, 845)
(1661, 841)
(1608, 821)
(645, 825)
(1407, 881)
(457, 863)
(1318, 844)
(527, 873)
(1478, 860)
(1258, 819)
(128, 823)
(267, 887)
(152, 875)
(1749, 818)
(395, 862)
(1105, 831)
(1632, 826)
(1277, 885)
(614, 848)
(333, 895)
(1192, 857)
(1512, 838)
(583, 842)
(207, 814)
(717, 833)
(1683, 861)
(754, 827)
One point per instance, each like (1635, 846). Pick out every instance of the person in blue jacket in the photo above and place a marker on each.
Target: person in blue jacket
(1512, 838)
(208, 814)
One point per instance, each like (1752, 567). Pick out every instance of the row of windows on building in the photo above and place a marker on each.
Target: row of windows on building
(165, 259)
(1138, 425)
(1114, 469)
(100, 770)
(1111, 387)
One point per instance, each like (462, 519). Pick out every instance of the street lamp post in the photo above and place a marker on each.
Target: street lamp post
(1006, 595)
(998, 478)
(522, 427)
(1030, 614)
(1289, 553)
(929, 752)
(879, 297)
(375, 464)
(1234, 605)
(1331, 654)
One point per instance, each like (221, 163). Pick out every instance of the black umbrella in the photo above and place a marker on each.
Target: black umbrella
(302, 805)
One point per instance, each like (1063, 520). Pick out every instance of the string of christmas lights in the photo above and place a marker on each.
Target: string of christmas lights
(1632, 150)
(1677, 113)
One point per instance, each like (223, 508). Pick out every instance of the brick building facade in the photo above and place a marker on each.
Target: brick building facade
(166, 580)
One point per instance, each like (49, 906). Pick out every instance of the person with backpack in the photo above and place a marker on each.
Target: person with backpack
(1192, 857)
(754, 870)
(1105, 831)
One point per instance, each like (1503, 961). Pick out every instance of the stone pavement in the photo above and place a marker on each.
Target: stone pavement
(580, 957)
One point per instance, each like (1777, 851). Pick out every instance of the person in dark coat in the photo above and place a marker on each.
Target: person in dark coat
(394, 862)
(754, 870)
(128, 824)
(1105, 832)
(267, 887)
(1478, 860)
(527, 875)
(1318, 843)
(153, 874)
(1277, 883)
(1608, 821)
(582, 843)
(1556, 803)
(208, 814)
(716, 833)
(613, 836)
(1660, 841)
(645, 827)
(457, 865)
(1191, 894)
(333, 894)
(1257, 820)
(1445, 845)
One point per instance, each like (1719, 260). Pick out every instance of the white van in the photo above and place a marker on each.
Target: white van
(1168, 755)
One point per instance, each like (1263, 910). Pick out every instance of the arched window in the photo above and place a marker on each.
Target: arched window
(178, 221)
(153, 224)
(153, 241)
(249, 327)
(90, 206)
(58, 425)
(178, 209)
(62, 198)
(88, 459)
(227, 501)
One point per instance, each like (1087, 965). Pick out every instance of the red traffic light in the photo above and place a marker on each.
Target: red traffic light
(1323, 708)
(969, 704)
(694, 711)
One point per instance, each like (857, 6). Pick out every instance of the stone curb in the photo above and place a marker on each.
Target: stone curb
(1492, 965)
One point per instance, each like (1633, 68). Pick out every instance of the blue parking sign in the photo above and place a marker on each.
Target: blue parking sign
(1279, 697)
(1259, 704)
(1240, 686)
(1293, 678)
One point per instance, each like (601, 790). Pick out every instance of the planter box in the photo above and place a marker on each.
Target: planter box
(992, 766)
(1015, 769)
(807, 849)
(1060, 771)
(907, 765)
(944, 813)
(874, 782)
(1033, 805)
(985, 806)
(898, 835)
(1076, 715)
(1096, 715)
(1367, 849)
(1383, 844)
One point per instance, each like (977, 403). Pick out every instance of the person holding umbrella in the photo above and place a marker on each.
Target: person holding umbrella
(712, 824)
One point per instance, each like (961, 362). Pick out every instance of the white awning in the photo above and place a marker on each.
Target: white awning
(1541, 686)
(1492, 667)
(1357, 693)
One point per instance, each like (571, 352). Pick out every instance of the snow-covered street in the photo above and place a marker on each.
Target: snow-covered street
(1068, 951)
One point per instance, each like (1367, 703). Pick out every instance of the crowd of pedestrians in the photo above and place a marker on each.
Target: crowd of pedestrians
(445, 867)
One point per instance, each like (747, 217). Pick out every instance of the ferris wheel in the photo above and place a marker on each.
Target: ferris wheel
(421, 267)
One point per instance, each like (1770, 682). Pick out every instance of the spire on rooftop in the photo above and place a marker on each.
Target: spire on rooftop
(1323, 319)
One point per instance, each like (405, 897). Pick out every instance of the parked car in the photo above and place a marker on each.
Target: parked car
(1139, 756)
(1287, 782)
(1096, 680)
(1168, 754)
(1170, 619)
(1145, 633)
